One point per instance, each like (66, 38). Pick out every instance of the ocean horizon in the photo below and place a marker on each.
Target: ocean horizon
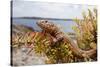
(65, 25)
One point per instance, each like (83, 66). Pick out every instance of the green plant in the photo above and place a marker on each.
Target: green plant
(56, 53)
(86, 30)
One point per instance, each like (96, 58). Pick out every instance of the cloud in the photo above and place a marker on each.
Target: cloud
(50, 10)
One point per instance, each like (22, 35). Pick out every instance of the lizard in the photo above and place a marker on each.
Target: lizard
(59, 35)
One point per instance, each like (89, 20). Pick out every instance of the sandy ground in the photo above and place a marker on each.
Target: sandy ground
(21, 58)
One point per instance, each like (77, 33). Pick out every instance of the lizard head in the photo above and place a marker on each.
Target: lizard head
(47, 26)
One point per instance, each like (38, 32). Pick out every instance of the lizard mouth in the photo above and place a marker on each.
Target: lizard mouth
(39, 23)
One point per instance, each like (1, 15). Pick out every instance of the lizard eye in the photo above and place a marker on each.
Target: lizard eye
(46, 21)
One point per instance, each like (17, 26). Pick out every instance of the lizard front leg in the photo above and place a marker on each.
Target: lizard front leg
(58, 37)
(55, 39)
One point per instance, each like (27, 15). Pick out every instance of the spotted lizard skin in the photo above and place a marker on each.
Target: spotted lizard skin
(59, 35)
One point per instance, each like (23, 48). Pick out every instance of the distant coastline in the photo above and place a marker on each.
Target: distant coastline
(66, 24)
(42, 18)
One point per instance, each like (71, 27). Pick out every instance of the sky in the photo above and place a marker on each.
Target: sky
(48, 10)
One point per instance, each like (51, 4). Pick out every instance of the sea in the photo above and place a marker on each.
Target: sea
(65, 25)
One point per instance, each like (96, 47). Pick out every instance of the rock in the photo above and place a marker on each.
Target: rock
(20, 57)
